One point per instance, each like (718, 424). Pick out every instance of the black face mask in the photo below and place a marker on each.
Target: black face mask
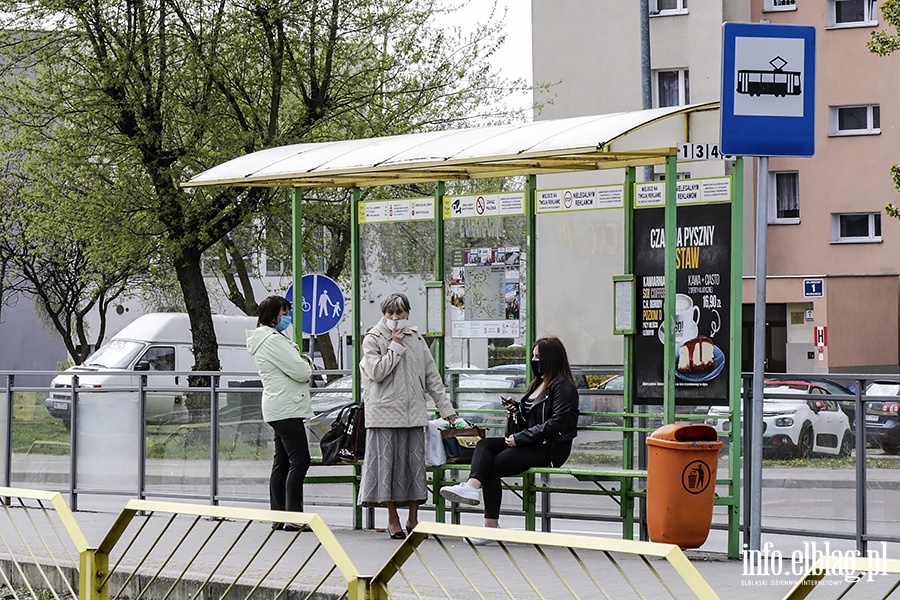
(536, 367)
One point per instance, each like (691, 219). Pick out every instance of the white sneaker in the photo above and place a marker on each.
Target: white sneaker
(462, 493)
(481, 541)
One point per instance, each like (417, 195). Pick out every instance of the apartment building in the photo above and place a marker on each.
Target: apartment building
(826, 213)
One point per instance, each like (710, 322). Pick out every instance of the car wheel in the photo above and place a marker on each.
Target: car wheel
(804, 442)
(846, 446)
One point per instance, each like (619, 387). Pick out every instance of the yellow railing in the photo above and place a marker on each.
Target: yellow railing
(529, 564)
(155, 549)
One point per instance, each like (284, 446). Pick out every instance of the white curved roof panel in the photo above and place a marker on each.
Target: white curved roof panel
(550, 146)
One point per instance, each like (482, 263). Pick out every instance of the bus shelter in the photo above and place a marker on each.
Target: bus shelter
(682, 238)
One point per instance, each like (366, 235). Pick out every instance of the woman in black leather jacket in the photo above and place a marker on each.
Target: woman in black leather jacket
(540, 431)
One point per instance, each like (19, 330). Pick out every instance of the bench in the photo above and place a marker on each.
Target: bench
(536, 481)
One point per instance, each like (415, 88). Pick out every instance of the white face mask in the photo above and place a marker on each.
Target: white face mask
(395, 324)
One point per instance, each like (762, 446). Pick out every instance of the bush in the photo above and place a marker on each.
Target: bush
(510, 355)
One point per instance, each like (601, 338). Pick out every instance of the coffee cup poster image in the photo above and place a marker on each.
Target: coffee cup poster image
(702, 303)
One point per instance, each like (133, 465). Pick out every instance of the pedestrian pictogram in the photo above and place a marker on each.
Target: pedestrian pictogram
(322, 304)
(696, 477)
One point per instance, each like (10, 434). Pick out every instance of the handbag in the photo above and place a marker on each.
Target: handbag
(353, 446)
(346, 440)
(459, 444)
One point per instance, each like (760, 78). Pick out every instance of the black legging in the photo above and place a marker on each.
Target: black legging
(494, 460)
(289, 466)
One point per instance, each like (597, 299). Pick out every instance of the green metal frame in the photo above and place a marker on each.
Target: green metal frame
(626, 481)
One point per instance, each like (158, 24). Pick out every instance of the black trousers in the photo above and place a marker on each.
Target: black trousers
(493, 460)
(289, 466)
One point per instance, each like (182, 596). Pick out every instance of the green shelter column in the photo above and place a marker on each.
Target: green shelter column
(356, 279)
(439, 348)
(297, 266)
(530, 272)
(671, 224)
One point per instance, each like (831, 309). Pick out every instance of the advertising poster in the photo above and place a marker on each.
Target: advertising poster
(702, 303)
(485, 292)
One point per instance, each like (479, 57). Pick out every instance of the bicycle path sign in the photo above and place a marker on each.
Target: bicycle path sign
(321, 302)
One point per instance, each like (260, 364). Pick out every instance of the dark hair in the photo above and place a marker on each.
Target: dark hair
(554, 362)
(395, 303)
(269, 309)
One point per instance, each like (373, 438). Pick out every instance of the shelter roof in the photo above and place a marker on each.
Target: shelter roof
(550, 146)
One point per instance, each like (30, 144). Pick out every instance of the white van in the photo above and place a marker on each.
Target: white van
(154, 344)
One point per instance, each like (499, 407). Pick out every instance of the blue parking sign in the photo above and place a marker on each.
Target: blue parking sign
(321, 303)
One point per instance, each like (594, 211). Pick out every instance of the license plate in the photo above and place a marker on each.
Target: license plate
(60, 405)
(872, 418)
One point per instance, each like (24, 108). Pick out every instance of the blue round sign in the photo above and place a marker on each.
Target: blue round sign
(321, 303)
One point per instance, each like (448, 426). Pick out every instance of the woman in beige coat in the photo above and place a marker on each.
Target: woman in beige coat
(397, 371)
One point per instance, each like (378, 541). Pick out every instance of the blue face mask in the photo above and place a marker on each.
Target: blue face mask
(284, 323)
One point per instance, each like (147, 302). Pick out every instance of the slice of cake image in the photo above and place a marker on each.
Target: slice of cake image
(696, 355)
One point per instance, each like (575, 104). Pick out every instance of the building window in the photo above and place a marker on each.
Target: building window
(852, 13)
(772, 5)
(856, 227)
(671, 88)
(784, 197)
(668, 7)
(855, 120)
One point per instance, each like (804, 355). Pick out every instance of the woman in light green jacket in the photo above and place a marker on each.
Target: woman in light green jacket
(397, 372)
(285, 403)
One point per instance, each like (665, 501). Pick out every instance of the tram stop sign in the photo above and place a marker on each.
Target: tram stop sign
(768, 89)
(321, 303)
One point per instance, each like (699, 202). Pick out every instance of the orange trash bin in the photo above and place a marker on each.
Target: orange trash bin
(681, 483)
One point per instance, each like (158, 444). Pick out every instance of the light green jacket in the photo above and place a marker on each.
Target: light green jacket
(284, 373)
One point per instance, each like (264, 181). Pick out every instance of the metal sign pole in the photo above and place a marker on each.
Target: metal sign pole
(759, 353)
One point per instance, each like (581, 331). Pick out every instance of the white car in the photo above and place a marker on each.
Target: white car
(797, 427)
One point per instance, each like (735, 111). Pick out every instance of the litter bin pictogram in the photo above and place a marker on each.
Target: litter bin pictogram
(681, 483)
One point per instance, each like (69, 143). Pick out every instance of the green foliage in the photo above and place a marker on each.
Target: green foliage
(883, 42)
(122, 101)
(510, 355)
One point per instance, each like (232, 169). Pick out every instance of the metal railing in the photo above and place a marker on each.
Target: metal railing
(223, 455)
(160, 549)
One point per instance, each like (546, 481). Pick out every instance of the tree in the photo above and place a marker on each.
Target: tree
(142, 94)
(46, 256)
(884, 43)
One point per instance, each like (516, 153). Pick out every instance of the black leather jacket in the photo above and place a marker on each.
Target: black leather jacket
(553, 416)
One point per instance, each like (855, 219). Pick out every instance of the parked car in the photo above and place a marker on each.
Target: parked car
(883, 416)
(482, 391)
(327, 403)
(836, 389)
(799, 420)
(611, 401)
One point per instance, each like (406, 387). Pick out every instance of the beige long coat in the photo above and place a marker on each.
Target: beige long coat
(396, 377)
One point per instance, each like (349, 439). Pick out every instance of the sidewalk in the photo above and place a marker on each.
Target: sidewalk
(369, 550)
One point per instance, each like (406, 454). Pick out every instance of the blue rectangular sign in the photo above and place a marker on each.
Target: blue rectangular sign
(813, 288)
(768, 89)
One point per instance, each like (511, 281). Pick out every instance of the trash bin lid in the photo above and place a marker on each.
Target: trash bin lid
(698, 436)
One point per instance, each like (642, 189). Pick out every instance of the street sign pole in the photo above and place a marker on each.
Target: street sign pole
(767, 109)
(759, 353)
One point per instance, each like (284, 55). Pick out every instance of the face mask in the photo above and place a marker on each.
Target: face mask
(536, 367)
(398, 324)
(283, 324)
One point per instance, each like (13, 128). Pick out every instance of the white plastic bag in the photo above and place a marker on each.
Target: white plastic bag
(434, 447)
